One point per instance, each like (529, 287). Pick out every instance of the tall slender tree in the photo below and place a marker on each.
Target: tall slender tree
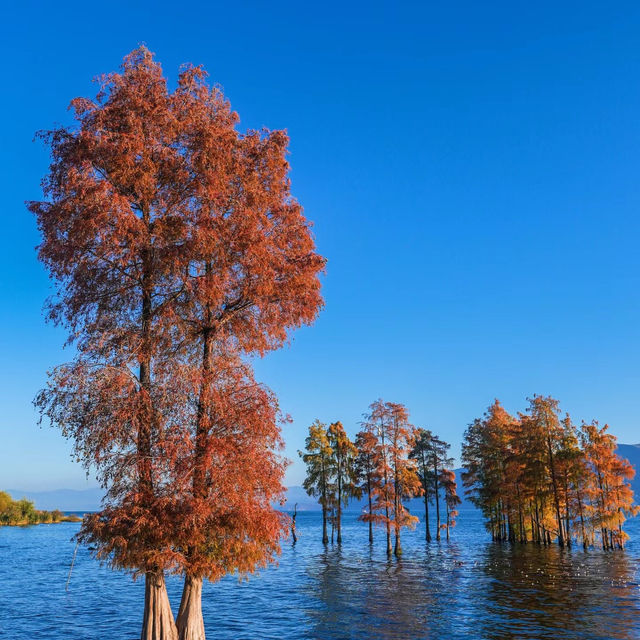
(318, 456)
(112, 228)
(367, 469)
(345, 473)
(421, 453)
(406, 483)
(250, 268)
(395, 478)
(439, 460)
(544, 416)
(451, 498)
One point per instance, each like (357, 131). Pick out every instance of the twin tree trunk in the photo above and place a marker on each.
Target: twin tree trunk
(157, 619)
(157, 622)
(190, 621)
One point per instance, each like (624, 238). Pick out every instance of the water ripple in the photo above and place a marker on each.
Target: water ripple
(469, 588)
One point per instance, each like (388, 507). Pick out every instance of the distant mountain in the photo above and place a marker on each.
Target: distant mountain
(89, 499)
(63, 499)
(298, 495)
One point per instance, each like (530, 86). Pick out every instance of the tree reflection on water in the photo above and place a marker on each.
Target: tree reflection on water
(493, 592)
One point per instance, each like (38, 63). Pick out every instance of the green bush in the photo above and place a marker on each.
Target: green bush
(20, 512)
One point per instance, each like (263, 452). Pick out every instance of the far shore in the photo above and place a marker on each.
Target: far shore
(22, 513)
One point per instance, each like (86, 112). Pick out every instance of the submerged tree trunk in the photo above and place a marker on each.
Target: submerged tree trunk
(339, 512)
(157, 621)
(426, 518)
(190, 622)
(556, 498)
(398, 547)
(584, 534)
(388, 535)
(370, 509)
(325, 537)
(437, 492)
(293, 524)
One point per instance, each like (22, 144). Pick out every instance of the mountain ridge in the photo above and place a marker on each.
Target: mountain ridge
(89, 499)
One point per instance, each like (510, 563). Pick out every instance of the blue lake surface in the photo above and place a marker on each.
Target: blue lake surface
(467, 588)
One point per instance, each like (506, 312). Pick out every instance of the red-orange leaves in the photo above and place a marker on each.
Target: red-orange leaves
(539, 478)
(176, 248)
(395, 478)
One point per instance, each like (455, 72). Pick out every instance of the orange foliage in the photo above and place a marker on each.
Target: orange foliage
(176, 248)
(395, 478)
(538, 478)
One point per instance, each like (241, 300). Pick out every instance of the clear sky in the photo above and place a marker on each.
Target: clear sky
(472, 170)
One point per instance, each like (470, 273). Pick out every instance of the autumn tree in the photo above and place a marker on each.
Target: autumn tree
(229, 525)
(451, 498)
(540, 478)
(485, 454)
(318, 457)
(610, 494)
(439, 460)
(344, 469)
(421, 453)
(367, 469)
(544, 418)
(175, 244)
(250, 273)
(395, 479)
(112, 228)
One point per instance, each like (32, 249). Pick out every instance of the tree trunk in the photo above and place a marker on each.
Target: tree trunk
(426, 517)
(567, 515)
(556, 499)
(370, 506)
(448, 519)
(190, 623)
(293, 524)
(325, 537)
(339, 513)
(437, 492)
(388, 537)
(584, 535)
(398, 547)
(157, 621)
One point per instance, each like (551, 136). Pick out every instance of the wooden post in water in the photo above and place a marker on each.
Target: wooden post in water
(293, 524)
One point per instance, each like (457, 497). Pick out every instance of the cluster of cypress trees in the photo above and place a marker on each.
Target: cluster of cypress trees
(389, 462)
(539, 478)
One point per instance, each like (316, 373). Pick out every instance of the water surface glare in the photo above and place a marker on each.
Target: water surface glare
(468, 588)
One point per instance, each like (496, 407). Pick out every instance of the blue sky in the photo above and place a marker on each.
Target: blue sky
(471, 170)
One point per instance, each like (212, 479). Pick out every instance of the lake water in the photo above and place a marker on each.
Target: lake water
(468, 588)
